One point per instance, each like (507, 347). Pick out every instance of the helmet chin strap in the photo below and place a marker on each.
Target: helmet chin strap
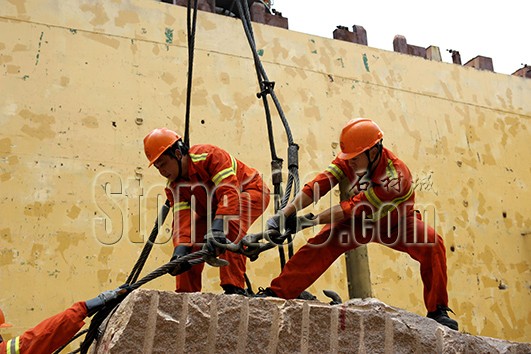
(180, 167)
(179, 163)
(370, 167)
(183, 149)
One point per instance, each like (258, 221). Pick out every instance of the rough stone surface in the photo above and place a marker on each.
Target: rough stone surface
(150, 321)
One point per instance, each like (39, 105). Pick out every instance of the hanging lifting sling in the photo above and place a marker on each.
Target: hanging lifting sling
(267, 88)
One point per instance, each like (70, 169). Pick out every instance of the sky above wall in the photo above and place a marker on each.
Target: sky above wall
(500, 30)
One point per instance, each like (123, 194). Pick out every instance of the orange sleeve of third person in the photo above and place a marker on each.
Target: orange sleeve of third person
(50, 334)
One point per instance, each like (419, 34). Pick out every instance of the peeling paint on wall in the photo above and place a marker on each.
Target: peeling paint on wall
(38, 125)
(99, 15)
(68, 241)
(126, 18)
(38, 209)
(90, 122)
(105, 40)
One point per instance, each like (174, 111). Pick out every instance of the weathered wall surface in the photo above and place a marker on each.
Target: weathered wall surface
(159, 322)
(83, 82)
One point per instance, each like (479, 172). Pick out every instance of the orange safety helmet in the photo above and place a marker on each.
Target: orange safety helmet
(3, 323)
(158, 141)
(358, 135)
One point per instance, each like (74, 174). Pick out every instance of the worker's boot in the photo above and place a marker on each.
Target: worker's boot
(305, 295)
(233, 290)
(267, 292)
(441, 315)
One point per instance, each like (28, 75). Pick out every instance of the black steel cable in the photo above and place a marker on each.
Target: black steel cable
(79, 334)
(192, 258)
(266, 87)
(191, 25)
(92, 332)
(246, 21)
(149, 244)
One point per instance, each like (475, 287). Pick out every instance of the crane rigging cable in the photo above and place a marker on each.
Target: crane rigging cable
(191, 20)
(267, 88)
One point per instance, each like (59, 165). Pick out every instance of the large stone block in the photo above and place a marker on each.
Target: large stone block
(150, 321)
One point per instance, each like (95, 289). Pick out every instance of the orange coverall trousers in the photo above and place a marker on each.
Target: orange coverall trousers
(313, 259)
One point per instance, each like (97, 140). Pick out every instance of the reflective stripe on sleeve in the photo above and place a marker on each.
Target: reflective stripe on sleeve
(181, 206)
(391, 170)
(13, 346)
(382, 209)
(198, 157)
(230, 171)
(335, 171)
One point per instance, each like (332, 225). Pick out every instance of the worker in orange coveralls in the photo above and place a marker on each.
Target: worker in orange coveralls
(56, 331)
(379, 208)
(213, 196)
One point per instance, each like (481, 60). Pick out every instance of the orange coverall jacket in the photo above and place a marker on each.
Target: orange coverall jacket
(215, 181)
(50, 334)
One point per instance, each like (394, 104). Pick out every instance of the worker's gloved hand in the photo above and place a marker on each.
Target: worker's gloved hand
(183, 266)
(215, 238)
(93, 305)
(289, 223)
(306, 221)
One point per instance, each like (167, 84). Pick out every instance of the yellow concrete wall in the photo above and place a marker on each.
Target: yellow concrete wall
(82, 83)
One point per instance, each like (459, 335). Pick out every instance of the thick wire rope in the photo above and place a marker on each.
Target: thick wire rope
(100, 316)
(149, 244)
(267, 87)
(191, 21)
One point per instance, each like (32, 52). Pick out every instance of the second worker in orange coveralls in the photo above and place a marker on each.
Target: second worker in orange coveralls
(379, 208)
(209, 190)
